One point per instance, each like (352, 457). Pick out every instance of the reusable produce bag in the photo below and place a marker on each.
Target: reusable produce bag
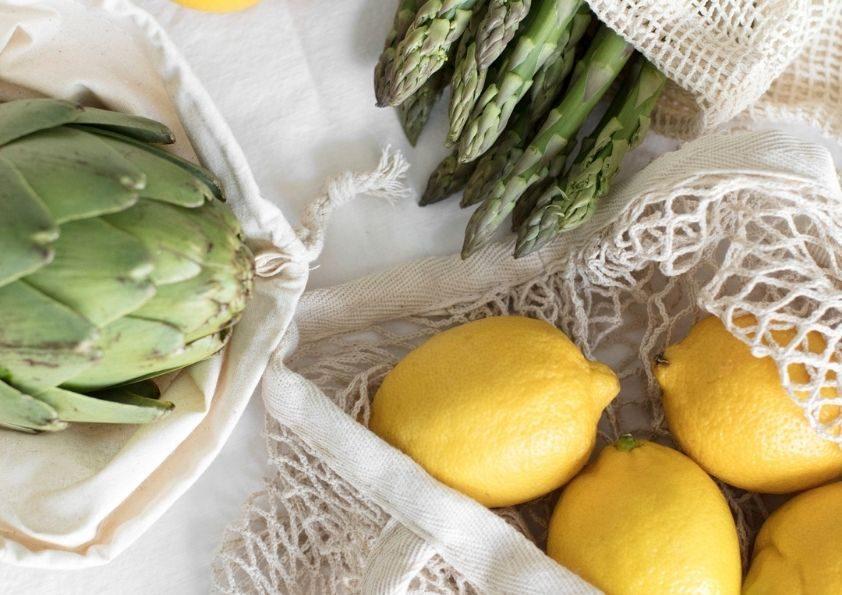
(729, 224)
(79, 497)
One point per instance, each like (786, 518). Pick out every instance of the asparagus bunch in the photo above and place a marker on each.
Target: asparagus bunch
(568, 203)
(513, 117)
(591, 79)
(539, 40)
(499, 160)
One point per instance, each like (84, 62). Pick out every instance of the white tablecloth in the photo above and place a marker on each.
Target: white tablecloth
(293, 78)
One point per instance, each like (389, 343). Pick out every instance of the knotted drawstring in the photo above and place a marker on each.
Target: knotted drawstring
(385, 182)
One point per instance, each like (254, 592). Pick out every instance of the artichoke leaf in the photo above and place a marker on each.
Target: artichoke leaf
(77, 175)
(171, 236)
(193, 305)
(223, 242)
(166, 181)
(144, 388)
(205, 176)
(136, 127)
(208, 302)
(26, 227)
(196, 351)
(42, 342)
(116, 406)
(99, 271)
(23, 412)
(225, 215)
(19, 118)
(131, 348)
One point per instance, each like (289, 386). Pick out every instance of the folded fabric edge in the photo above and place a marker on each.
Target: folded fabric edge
(349, 307)
(492, 555)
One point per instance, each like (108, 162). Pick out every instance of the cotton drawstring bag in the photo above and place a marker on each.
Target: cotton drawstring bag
(728, 224)
(79, 497)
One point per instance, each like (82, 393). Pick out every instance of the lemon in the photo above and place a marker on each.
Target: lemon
(218, 5)
(503, 409)
(644, 518)
(799, 549)
(729, 411)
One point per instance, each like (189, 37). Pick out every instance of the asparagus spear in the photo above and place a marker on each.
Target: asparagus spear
(569, 204)
(498, 27)
(468, 80)
(446, 180)
(415, 111)
(547, 24)
(497, 162)
(403, 18)
(525, 205)
(424, 48)
(592, 77)
(506, 151)
(549, 80)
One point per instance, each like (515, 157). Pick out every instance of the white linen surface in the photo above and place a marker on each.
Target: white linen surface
(293, 80)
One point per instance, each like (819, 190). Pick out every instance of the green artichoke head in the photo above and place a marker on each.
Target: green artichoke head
(118, 262)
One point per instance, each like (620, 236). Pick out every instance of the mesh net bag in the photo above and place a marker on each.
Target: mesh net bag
(723, 55)
(727, 225)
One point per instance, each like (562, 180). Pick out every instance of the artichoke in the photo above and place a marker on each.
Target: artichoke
(118, 262)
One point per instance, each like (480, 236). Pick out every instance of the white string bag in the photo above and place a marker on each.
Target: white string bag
(725, 226)
(723, 56)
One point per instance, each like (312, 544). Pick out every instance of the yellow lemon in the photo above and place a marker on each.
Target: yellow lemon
(799, 549)
(503, 409)
(644, 518)
(729, 411)
(218, 5)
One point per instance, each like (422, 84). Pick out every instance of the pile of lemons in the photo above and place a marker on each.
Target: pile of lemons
(505, 410)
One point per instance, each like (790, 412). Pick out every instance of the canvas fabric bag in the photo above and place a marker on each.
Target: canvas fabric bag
(80, 497)
(729, 224)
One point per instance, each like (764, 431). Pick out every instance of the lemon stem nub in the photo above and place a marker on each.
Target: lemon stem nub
(626, 443)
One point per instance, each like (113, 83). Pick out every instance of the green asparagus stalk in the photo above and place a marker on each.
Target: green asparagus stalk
(592, 78)
(468, 80)
(569, 204)
(498, 27)
(507, 150)
(446, 180)
(547, 24)
(403, 18)
(415, 111)
(529, 199)
(550, 79)
(526, 203)
(498, 161)
(424, 48)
